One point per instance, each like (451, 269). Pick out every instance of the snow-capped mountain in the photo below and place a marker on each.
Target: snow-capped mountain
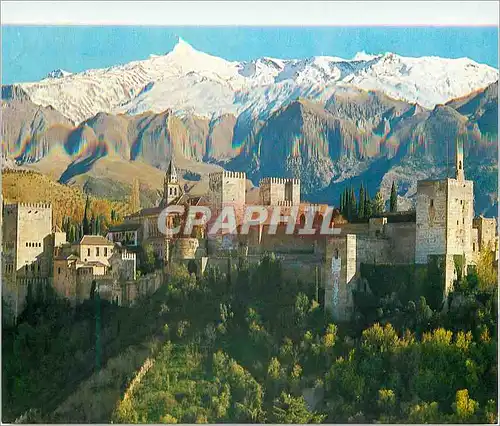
(188, 81)
(59, 73)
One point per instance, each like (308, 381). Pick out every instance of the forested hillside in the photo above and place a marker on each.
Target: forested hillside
(251, 346)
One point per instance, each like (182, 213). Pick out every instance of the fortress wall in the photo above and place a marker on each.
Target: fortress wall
(281, 242)
(486, 229)
(295, 267)
(64, 280)
(402, 242)
(373, 250)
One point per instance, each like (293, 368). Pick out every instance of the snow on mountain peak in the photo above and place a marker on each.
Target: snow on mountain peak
(363, 56)
(59, 73)
(186, 79)
(182, 47)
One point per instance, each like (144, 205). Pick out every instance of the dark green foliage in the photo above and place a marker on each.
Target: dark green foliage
(86, 223)
(353, 209)
(362, 202)
(368, 206)
(394, 199)
(244, 346)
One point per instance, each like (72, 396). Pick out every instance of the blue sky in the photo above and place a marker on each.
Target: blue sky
(30, 52)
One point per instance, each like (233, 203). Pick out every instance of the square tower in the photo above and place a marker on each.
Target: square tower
(25, 228)
(444, 216)
(227, 188)
(279, 192)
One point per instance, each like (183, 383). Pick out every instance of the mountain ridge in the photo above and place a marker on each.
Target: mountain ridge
(192, 82)
(328, 138)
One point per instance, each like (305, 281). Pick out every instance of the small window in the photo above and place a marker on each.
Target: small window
(461, 202)
(432, 203)
(58, 270)
(88, 252)
(458, 222)
(463, 220)
(459, 165)
(97, 251)
(473, 246)
(26, 244)
(105, 251)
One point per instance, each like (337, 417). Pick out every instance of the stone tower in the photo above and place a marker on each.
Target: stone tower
(27, 229)
(171, 188)
(227, 188)
(279, 192)
(445, 210)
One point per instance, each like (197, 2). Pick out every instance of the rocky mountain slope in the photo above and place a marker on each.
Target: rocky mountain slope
(311, 119)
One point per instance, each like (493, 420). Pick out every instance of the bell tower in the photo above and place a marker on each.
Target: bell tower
(171, 188)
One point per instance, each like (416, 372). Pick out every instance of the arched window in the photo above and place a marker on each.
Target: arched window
(459, 165)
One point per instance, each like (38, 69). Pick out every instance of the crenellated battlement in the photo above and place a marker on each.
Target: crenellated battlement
(227, 174)
(285, 203)
(35, 205)
(279, 191)
(276, 180)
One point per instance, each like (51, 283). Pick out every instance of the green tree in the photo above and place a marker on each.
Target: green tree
(98, 223)
(362, 202)
(378, 204)
(368, 206)
(72, 233)
(464, 406)
(92, 225)
(290, 409)
(86, 224)
(353, 205)
(394, 199)
(486, 272)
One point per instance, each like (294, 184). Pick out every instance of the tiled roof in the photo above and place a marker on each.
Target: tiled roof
(67, 257)
(95, 240)
(94, 263)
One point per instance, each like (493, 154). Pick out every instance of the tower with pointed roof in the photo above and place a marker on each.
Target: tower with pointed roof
(171, 188)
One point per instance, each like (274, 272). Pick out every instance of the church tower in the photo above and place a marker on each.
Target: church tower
(171, 188)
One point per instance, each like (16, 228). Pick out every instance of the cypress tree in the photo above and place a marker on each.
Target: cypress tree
(85, 223)
(368, 206)
(71, 234)
(394, 199)
(341, 202)
(361, 204)
(98, 225)
(92, 225)
(354, 205)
